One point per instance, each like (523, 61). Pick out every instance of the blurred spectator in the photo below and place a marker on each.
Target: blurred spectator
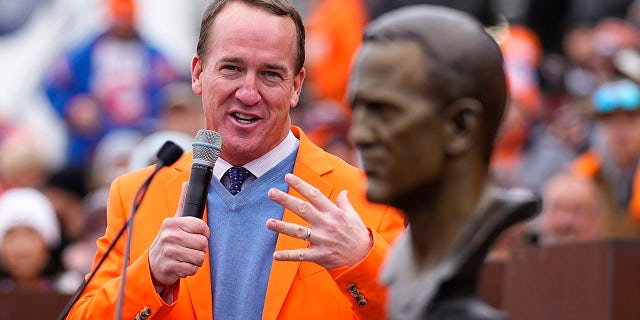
(22, 162)
(574, 209)
(114, 81)
(612, 161)
(111, 157)
(327, 124)
(182, 116)
(65, 190)
(593, 52)
(28, 232)
(633, 13)
(610, 36)
(522, 53)
(553, 145)
(334, 31)
(579, 80)
(181, 109)
(77, 257)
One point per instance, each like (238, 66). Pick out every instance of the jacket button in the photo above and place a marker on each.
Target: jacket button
(144, 314)
(355, 293)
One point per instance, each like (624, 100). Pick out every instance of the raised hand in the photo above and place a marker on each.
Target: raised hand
(337, 236)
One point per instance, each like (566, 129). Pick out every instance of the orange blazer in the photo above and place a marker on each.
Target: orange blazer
(296, 290)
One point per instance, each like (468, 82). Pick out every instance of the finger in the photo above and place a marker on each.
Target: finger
(194, 225)
(310, 192)
(171, 271)
(183, 254)
(166, 258)
(186, 269)
(295, 255)
(290, 229)
(303, 209)
(194, 242)
(183, 195)
(178, 227)
(343, 202)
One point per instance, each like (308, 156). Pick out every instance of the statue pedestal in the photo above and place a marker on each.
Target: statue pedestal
(27, 305)
(586, 281)
(491, 283)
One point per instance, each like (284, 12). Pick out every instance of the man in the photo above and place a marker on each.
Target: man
(612, 161)
(114, 81)
(574, 209)
(249, 71)
(428, 91)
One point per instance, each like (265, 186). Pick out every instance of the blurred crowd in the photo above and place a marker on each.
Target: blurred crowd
(112, 92)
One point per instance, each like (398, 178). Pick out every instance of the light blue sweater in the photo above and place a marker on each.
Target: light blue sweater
(241, 247)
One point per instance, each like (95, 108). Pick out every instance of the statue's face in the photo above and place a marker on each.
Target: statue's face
(396, 125)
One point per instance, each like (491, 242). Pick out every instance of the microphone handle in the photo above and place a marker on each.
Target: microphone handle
(196, 197)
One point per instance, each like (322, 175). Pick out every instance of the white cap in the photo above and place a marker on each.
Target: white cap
(29, 207)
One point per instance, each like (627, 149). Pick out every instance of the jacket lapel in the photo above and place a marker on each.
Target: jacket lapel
(198, 286)
(311, 164)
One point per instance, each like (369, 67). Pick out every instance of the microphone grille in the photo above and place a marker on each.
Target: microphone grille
(207, 147)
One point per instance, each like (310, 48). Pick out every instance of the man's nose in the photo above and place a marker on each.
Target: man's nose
(248, 92)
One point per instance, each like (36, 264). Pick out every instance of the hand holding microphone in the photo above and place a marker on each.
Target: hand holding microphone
(179, 248)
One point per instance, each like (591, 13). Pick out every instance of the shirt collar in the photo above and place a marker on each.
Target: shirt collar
(261, 165)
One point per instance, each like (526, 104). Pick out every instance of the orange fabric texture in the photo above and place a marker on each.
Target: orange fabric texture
(296, 290)
(588, 166)
(634, 206)
(334, 32)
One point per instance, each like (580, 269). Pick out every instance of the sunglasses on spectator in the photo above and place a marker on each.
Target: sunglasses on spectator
(618, 95)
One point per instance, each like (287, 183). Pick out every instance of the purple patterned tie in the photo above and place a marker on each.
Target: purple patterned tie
(237, 176)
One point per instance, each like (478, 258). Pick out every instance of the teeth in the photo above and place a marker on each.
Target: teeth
(243, 117)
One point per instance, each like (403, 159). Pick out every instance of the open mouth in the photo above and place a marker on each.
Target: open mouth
(244, 118)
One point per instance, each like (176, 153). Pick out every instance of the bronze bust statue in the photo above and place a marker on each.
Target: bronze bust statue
(428, 92)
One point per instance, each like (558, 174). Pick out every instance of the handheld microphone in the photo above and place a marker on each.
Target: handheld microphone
(206, 149)
(167, 155)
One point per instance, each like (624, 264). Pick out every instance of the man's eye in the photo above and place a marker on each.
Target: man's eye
(272, 74)
(230, 68)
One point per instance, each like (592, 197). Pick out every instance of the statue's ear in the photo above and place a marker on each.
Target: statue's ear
(462, 125)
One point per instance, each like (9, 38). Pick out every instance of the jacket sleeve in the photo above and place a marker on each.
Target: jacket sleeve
(100, 297)
(360, 283)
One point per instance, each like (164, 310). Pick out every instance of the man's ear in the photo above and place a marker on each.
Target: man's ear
(196, 72)
(462, 125)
